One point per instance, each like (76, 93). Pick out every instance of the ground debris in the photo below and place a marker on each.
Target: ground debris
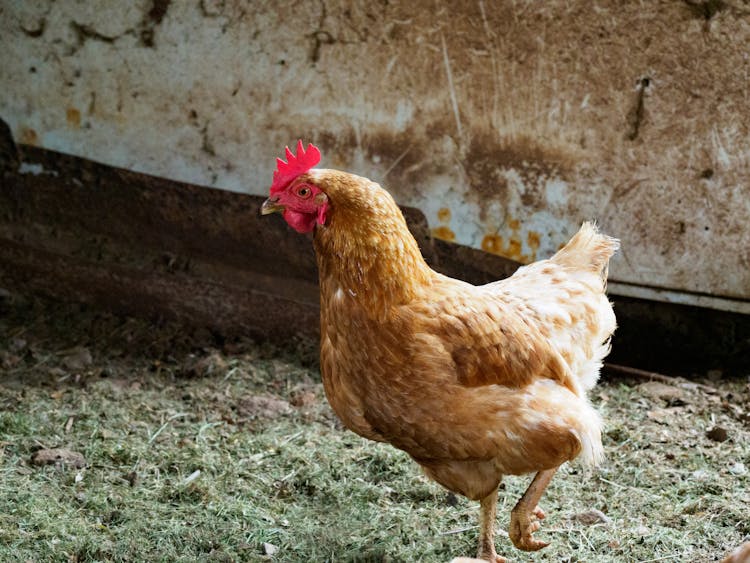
(738, 468)
(204, 365)
(303, 396)
(61, 457)
(262, 406)
(670, 394)
(591, 517)
(664, 416)
(77, 359)
(658, 377)
(718, 434)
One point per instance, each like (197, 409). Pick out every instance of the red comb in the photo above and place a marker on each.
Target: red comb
(294, 166)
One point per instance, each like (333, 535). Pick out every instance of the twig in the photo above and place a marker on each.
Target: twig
(294, 436)
(192, 477)
(163, 426)
(231, 372)
(457, 531)
(207, 426)
(654, 376)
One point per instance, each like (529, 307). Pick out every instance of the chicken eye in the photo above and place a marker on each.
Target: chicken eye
(304, 191)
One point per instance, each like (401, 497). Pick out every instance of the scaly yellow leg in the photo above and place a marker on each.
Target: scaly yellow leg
(525, 516)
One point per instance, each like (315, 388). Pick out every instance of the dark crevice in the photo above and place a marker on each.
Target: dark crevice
(207, 146)
(638, 111)
(705, 9)
(85, 32)
(151, 20)
(36, 31)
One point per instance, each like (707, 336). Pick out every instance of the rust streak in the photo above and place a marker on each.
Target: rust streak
(28, 136)
(444, 233)
(73, 116)
(492, 243)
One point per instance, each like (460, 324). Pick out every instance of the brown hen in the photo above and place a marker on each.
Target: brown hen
(473, 382)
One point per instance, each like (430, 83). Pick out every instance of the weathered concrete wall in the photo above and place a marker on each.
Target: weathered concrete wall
(507, 123)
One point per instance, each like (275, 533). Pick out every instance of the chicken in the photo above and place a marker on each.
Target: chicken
(473, 382)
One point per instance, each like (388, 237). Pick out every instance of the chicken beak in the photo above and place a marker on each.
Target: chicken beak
(271, 205)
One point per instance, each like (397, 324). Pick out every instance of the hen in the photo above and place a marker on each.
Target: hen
(473, 382)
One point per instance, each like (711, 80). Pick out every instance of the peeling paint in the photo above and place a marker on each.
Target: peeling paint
(28, 136)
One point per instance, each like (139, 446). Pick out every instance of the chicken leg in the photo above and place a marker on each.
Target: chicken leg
(525, 516)
(488, 512)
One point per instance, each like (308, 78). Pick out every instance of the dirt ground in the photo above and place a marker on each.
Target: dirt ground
(124, 440)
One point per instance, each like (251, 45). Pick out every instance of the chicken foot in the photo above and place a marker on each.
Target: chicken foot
(488, 512)
(525, 516)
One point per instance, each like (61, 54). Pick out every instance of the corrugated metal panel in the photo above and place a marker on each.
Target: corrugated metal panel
(506, 123)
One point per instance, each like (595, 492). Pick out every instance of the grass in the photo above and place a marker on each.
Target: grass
(150, 406)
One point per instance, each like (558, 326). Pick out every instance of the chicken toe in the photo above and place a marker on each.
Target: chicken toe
(522, 527)
(491, 557)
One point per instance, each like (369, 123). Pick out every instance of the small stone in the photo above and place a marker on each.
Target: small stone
(718, 434)
(303, 398)
(701, 475)
(269, 549)
(59, 457)
(738, 468)
(211, 364)
(668, 393)
(591, 517)
(78, 358)
(262, 407)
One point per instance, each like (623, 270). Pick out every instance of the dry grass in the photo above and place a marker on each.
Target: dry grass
(153, 405)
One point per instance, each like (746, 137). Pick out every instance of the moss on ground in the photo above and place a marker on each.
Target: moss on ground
(150, 406)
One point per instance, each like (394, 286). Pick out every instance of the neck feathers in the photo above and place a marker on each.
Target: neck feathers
(367, 252)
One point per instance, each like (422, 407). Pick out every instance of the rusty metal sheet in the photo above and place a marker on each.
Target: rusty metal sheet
(506, 123)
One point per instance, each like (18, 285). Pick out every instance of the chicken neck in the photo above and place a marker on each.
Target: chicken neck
(376, 262)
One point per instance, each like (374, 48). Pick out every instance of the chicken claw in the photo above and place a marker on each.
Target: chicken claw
(492, 558)
(524, 520)
(523, 524)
